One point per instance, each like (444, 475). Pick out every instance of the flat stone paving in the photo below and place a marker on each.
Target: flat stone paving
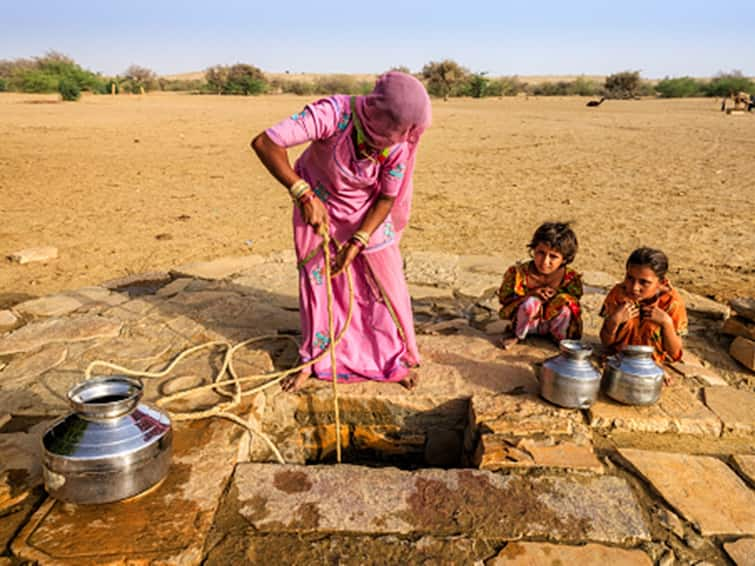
(703, 489)
(353, 499)
(548, 474)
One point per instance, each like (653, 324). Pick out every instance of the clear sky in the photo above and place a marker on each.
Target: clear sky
(658, 38)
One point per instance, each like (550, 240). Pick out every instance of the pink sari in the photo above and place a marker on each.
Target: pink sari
(380, 343)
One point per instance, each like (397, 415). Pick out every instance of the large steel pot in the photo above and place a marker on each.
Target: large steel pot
(569, 379)
(111, 447)
(632, 377)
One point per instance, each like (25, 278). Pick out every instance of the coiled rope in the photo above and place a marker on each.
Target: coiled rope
(218, 385)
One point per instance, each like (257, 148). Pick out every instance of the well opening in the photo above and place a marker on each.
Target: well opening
(379, 432)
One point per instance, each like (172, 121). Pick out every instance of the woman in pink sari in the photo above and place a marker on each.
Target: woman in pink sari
(355, 178)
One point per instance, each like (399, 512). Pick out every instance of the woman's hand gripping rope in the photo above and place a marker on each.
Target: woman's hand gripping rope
(220, 385)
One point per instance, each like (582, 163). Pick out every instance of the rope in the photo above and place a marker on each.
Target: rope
(222, 409)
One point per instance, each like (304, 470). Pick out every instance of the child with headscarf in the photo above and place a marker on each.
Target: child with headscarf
(355, 178)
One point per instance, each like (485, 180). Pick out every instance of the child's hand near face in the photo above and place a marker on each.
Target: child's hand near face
(625, 312)
(656, 315)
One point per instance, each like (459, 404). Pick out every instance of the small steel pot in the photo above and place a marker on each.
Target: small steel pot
(569, 379)
(632, 377)
(110, 448)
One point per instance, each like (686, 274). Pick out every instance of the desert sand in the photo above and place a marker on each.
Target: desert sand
(129, 184)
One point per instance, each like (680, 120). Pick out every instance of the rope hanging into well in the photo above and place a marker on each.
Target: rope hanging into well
(218, 385)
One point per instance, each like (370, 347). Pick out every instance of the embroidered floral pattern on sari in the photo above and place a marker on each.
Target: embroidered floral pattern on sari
(300, 116)
(344, 121)
(321, 192)
(317, 275)
(398, 171)
(388, 230)
(321, 340)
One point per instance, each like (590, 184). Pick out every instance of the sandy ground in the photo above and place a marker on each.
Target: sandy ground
(129, 184)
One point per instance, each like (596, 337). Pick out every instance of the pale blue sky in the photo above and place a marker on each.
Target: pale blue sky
(657, 38)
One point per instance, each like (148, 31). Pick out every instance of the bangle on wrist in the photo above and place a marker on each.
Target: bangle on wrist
(357, 243)
(298, 189)
(362, 237)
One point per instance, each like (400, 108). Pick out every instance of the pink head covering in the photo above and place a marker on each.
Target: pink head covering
(397, 110)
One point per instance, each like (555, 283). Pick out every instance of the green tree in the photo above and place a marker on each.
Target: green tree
(680, 87)
(443, 77)
(723, 84)
(69, 89)
(626, 84)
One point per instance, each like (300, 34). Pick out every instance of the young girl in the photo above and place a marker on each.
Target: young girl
(644, 309)
(542, 295)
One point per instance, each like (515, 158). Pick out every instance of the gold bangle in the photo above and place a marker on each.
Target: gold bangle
(298, 188)
(362, 236)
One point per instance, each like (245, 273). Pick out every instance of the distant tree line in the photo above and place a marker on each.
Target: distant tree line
(55, 72)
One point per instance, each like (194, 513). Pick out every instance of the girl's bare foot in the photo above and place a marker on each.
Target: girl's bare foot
(507, 342)
(410, 381)
(294, 382)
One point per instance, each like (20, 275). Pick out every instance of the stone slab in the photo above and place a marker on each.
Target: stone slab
(167, 525)
(431, 268)
(474, 284)
(346, 550)
(735, 407)
(742, 552)
(75, 329)
(707, 375)
(21, 465)
(8, 320)
(540, 554)
(275, 283)
(498, 327)
(174, 287)
(381, 501)
(30, 255)
(54, 305)
(744, 306)
(745, 463)
(148, 279)
(743, 350)
(419, 292)
(703, 489)
(97, 295)
(23, 369)
(220, 268)
(703, 306)
(499, 452)
(678, 410)
(738, 326)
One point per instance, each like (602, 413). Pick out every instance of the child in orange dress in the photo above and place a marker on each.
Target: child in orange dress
(541, 296)
(644, 309)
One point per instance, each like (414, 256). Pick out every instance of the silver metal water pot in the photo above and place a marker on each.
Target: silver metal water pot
(569, 379)
(111, 447)
(632, 377)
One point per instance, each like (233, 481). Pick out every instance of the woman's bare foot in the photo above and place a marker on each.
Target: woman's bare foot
(410, 381)
(508, 341)
(294, 382)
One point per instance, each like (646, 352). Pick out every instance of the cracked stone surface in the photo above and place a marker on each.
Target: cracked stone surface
(735, 407)
(551, 479)
(165, 525)
(742, 552)
(220, 268)
(679, 410)
(703, 489)
(327, 499)
(534, 553)
(76, 329)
